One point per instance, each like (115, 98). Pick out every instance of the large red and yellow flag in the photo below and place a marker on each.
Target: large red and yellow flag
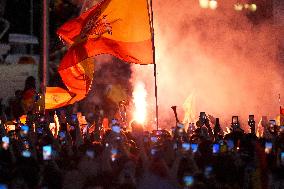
(117, 27)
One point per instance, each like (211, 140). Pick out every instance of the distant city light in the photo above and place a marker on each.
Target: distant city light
(253, 7)
(246, 6)
(204, 4)
(213, 4)
(238, 7)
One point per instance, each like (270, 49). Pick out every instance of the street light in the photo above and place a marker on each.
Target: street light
(238, 7)
(204, 4)
(213, 4)
(253, 7)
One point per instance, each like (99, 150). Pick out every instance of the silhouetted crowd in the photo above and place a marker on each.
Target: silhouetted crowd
(60, 151)
(64, 149)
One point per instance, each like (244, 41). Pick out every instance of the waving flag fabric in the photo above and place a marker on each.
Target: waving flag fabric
(117, 27)
(56, 97)
(281, 111)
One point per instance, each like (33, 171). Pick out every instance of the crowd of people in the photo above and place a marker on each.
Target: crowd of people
(59, 150)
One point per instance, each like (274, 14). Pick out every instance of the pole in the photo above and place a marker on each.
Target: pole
(31, 24)
(150, 9)
(280, 111)
(45, 43)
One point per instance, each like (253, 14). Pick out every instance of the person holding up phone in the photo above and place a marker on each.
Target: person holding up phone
(251, 124)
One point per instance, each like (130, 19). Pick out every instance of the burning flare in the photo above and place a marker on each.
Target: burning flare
(139, 98)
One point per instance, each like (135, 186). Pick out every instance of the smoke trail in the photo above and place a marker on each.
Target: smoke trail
(230, 62)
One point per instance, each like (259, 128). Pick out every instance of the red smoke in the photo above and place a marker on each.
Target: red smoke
(229, 62)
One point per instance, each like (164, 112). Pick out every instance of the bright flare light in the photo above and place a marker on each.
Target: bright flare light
(139, 98)
(213, 4)
(204, 4)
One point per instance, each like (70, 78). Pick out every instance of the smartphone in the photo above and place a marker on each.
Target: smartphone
(115, 128)
(194, 147)
(26, 153)
(146, 139)
(5, 139)
(188, 180)
(114, 121)
(114, 152)
(39, 130)
(154, 151)
(202, 115)
(71, 128)
(208, 171)
(90, 154)
(41, 119)
(186, 146)
(26, 144)
(272, 122)
(282, 158)
(216, 148)
(3, 186)
(46, 152)
(62, 134)
(235, 119)
(154, 139)
(158, 132)
(180, 130)
(251, 117)
(74, 117)
(230, 145)
(268, 147)
(5, 142)
(25, 129)
(180, 125)
(217, 122)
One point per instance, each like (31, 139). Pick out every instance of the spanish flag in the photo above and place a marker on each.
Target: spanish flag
(117, 27)
(56, 97)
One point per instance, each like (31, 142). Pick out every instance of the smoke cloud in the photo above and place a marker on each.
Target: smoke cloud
(227, 61)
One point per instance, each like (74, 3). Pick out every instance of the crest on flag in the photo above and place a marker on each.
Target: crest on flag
(96, 26)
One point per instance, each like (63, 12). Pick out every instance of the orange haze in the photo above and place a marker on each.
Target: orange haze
(229, 63)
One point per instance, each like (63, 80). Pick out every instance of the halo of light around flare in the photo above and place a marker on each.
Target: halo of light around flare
(139, 99)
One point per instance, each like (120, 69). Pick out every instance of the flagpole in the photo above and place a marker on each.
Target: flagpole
(45, 44)
(150, 9)
(279, 100)
(280, 110)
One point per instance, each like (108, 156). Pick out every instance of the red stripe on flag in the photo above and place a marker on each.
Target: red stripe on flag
(133, 52)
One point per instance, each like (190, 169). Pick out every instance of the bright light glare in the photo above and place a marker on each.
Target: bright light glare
(238, 7)
(213, 4)
(253, 7)
(204, 4)
(246, 6)
(139, 98)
